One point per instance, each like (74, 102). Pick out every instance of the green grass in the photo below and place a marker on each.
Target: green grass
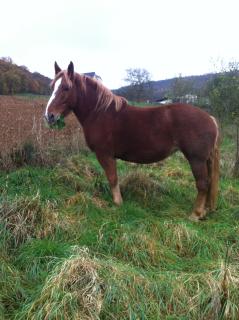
(31, 96)
(67, 252)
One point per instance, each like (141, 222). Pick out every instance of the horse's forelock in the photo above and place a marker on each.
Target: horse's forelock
(61, 74)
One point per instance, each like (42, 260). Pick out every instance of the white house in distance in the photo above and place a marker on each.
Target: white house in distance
(190, 98)
(92, 75)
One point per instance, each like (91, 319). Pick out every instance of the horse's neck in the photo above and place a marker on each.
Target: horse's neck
(92, 101)
(85, 106)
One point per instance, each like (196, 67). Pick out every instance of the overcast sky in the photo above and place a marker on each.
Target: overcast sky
(106, 36)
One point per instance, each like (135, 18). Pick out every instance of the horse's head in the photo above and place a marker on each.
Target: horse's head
(61, 101)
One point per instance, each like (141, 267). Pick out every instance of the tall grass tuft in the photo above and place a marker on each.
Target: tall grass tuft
(82, 287)
(11, 289)
(37, 257)
(78, 173)
(142, 187)
(130, 294)
(25, 218)
(71, 291)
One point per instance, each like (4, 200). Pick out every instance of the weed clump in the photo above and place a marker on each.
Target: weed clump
(25, 218)
(142, 187)
(78, 173)
(72, 291)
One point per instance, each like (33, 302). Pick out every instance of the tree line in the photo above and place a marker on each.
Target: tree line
(219, 93)
(18, 79)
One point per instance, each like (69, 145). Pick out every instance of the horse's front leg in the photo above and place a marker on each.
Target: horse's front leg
(200, 172)
(109, 166)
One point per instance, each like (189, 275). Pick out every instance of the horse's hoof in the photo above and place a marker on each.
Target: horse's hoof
(118, 203)
(194, 217)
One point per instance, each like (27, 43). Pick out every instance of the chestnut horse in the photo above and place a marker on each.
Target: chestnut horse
(115, 130)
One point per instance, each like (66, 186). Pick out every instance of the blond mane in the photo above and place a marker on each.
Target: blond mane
(104, 97)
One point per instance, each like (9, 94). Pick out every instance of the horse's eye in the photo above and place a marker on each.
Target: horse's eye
(65, 88)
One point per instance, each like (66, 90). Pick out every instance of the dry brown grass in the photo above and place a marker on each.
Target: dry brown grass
(81, 197)
(23, 131)
(140, 184)
(26, 218)
(72, 291)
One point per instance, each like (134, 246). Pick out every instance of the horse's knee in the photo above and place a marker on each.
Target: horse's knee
(113, 180)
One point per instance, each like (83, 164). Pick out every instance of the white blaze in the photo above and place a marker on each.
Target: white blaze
(57, 84)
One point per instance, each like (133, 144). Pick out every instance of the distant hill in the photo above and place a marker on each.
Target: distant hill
(161, 88)
(18, 79)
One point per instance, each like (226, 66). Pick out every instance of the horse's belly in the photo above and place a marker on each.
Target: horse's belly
(146, 156)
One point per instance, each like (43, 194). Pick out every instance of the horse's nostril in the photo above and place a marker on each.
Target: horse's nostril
(50, 117)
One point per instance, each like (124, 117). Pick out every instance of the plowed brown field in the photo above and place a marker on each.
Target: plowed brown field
(22, 122)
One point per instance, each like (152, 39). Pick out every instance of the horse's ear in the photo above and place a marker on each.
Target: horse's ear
(57, 68)
(70, 71)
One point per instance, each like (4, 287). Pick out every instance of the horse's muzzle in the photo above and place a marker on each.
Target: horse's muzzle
(51, 118)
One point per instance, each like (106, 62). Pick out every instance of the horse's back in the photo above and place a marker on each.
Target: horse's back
(155, 132)
(176, 119)
(151, 134)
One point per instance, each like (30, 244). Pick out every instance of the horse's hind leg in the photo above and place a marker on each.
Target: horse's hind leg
(109, 166)
(200, 172)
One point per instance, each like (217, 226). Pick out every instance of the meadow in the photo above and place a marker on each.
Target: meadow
(67, 252)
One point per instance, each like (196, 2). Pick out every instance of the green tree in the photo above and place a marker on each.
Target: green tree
(224, 98)
(224, 95)
(13, 81)
(180, 88)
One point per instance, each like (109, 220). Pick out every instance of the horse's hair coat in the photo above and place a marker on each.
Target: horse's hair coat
(115, 130)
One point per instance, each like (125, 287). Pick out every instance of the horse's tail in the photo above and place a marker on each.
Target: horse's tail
(213, 173)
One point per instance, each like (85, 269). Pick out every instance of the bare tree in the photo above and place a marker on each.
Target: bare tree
(139, 81)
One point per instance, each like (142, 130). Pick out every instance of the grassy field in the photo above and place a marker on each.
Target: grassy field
(67, 252)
